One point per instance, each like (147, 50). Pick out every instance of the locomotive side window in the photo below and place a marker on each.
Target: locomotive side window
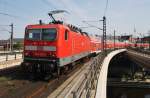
(49, 34)
(66, 35)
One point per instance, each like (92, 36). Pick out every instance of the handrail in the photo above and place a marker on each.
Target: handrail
(87, 81)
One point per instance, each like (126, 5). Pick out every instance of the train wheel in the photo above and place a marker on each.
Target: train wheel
(65, 69)
(23, 68)
(72, 65)
(58, 72)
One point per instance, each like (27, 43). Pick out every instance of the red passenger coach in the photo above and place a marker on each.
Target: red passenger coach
(96, 46)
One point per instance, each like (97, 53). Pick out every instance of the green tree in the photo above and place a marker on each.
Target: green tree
(17, 46)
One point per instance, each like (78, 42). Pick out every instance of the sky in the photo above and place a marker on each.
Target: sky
(122, 15)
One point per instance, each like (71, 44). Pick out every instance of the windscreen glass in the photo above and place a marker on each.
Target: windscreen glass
(33, 34)
(41, 34)
(49, 34)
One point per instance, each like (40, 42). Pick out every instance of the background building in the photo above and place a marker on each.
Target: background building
(5, 44)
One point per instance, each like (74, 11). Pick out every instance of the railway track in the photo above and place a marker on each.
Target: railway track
(54, 84)
(19, 84)
(14, 83)
(76, 80)
(67, 85)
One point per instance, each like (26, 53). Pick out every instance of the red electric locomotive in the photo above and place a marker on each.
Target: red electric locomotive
(48, 47)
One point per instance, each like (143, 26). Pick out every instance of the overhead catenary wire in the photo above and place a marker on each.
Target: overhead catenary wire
(15, 8)
(4, 25)
(106, 7)
(92, 25)
(6, 14)
(12, 6)
(12, 16)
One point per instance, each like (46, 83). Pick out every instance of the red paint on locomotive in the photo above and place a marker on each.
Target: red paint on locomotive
(68, 46)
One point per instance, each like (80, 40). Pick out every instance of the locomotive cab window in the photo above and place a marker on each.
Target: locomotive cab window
(49, 34)
(33, 34)
(42, 34)
(66, 35)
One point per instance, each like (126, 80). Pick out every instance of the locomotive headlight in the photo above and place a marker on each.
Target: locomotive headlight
(26, 54)
(53, 54)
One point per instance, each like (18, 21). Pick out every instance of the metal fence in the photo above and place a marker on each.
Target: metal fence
(10, 56)
(147, 52)
(140, 52)
(85, 87)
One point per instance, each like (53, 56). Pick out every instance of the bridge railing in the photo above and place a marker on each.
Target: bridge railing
(147, 52)
(85, 86)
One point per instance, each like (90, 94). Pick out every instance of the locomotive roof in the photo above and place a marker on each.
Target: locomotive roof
(76, 29)
(70, 27)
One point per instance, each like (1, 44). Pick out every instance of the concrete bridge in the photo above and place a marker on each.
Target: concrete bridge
(137, 73)
(102, 81)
